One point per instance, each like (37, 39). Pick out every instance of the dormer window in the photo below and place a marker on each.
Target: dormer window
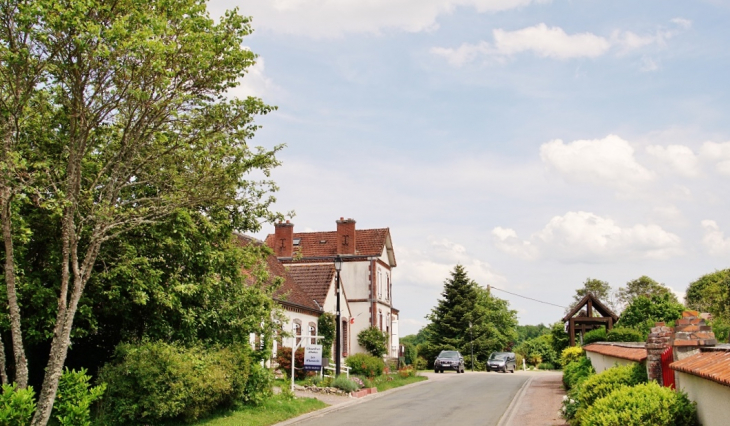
(297, 241)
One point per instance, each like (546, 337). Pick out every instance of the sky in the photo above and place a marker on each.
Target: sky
(537, 143)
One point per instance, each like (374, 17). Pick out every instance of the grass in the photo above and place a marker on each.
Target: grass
(276, 409)
(383, 384)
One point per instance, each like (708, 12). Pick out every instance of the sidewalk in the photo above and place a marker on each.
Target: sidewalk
(537, 403)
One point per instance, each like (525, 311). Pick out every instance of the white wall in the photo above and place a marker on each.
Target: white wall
(604, 362)
(291, 316)
(711, 398)
(355, 278)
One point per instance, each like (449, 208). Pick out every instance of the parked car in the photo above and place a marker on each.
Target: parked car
(449, 360)
(501, 361)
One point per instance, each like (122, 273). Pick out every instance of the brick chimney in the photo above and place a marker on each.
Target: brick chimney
(284, 239)
(346, 236)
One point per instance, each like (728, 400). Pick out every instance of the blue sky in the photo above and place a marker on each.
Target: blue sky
(537, 143)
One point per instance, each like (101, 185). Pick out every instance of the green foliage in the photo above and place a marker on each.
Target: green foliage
(464, 302)
(647, 404)
(16, 405)
(154, 382)
(415, 339)
(345, 384)
(259, 385)
(597, 335)
(624, 334)
(411, 353)
(547, 366)
(721, 328)
(365, 365)
(421, 363)
(538, 351)
(644, 312)
(527, 332)
(327, 327)
(711, 293)
(75, 396)
(574, 353)
(643, 286)
(560, 339)
(575, 372)
(374, 341)
(602, 384)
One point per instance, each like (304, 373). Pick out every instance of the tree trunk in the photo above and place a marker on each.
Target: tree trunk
(3, 373)
(21, 363)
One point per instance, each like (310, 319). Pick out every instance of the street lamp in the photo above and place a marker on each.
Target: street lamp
(338, 268)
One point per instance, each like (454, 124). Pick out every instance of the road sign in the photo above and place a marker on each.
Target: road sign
(313, 357)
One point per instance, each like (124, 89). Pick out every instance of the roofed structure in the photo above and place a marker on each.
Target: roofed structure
(588, 321)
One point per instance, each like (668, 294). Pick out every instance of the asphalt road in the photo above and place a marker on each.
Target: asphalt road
(446, 399)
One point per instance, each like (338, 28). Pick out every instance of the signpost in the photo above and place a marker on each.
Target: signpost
(312, 355)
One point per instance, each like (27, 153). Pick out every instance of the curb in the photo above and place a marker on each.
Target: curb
(509, 413)
(338, 407)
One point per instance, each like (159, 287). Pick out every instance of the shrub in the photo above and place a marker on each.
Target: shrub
(411, 353)
(259, 385)
(574, 353)
(518, 361)
(646, 404)
(72, 406)
(347, 385)
(624, 334)
(16, 405)
(546, 366)
(283, 358)
(597, 335)
(365, 365)
(327, 328)
(602, 384)
(538, 350)
(576, 372)
(153, 382)
(374, 341)
(407, 371)
(421, 363)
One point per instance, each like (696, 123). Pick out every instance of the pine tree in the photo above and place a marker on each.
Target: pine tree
(451, 316)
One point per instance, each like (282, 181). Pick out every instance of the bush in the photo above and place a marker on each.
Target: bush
(538, 350)
(546, 366)
(347, 385)
(72, 406)
(518, 361)
(624, 334)
(571, 354)
(410, 352)
(407, 371)
(327, 328)
(421, 363)
(365, 365)
(153, 382)
(597, 335)
(602, 384)
(374, 341)
(16, 405)
(283, 358)
(259, 385)
(646, 404)
(576, 372)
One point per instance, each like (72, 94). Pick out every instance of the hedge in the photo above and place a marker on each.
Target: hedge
(153, 382)
(646, 404)
(576, 372)
(602, 384)
(365, 365)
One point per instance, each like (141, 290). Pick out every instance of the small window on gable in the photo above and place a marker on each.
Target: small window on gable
(297, 241)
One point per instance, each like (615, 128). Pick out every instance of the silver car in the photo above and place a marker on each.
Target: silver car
(449, 360)
(501, 361)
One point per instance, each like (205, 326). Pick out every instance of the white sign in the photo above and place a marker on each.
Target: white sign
(313, 357)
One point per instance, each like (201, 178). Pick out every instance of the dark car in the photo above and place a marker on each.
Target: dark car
(501, 361)
(449, 360)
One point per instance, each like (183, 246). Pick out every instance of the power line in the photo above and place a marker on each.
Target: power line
(524, 297)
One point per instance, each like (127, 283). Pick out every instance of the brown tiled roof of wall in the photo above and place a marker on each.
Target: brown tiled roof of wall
(713, 366)
(368, 242)
(637, 354)
(289, 291)
(315, 280)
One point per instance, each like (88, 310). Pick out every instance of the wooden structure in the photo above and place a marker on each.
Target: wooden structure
(587, 321)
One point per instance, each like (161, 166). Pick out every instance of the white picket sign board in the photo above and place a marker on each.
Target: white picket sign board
(313, 357)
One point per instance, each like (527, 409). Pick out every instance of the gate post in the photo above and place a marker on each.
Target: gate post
(657, 342)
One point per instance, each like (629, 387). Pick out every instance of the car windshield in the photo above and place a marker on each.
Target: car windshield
(497, 356)
(449, 354)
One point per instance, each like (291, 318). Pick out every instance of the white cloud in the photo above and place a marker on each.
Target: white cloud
(507, 241)
(718, 153)
(555, 43)
(679, 158)
(586, 237)
(608, 161)
(684, 23)
(328, 18)
(714, 239)
(648, 64)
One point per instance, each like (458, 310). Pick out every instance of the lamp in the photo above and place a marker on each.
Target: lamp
(338, 268)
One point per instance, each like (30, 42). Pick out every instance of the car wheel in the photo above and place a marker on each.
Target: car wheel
(504, 369)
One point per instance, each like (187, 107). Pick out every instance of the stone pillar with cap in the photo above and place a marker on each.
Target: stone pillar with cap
(658, 341)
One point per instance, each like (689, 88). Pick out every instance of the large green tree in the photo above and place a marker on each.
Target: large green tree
(598, 288)
(136, 127)
(466, 314)
(711, 293)
(644, 312)
(642, 286)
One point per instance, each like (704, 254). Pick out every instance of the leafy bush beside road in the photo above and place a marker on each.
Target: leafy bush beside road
(365, 365)
(576, 372)
(646, 404)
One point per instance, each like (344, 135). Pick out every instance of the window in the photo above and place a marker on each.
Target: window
(388, 288)
(313, 332)
(380, 284)
(298, 331)
(381, 320)
(345, 344)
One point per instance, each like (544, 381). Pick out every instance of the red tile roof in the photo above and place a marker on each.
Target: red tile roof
(637, 354)
(315, 280)
(289, 291)
(713, 366)
(369, 242)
